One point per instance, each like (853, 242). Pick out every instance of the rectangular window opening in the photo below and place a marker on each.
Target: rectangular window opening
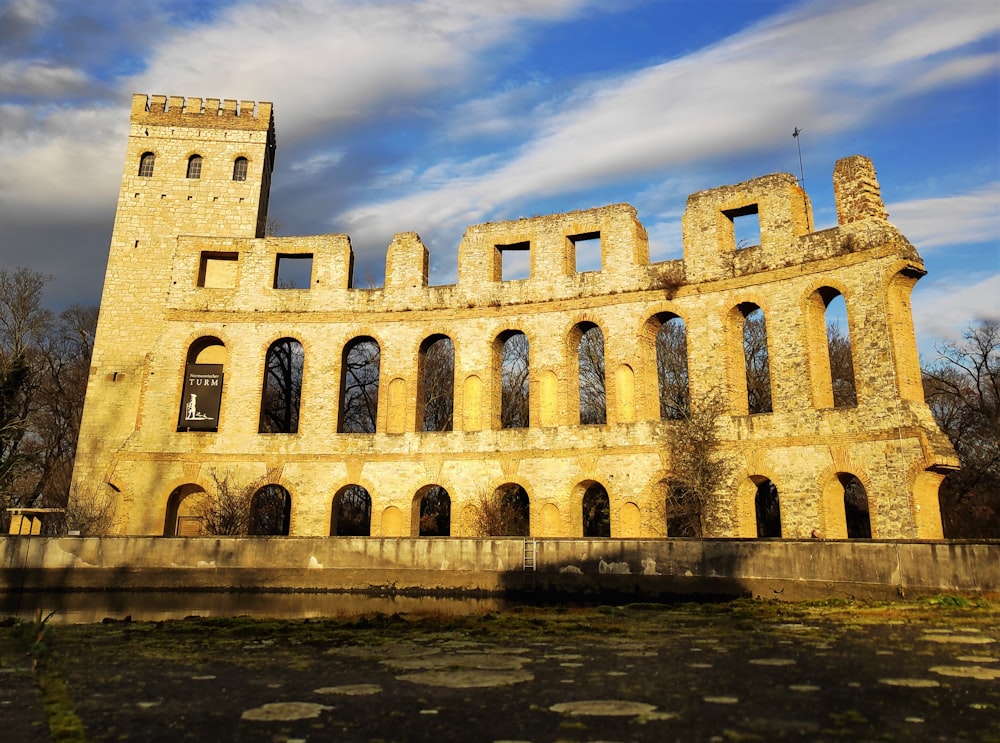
(746, 226)
(515, 261)
(293, 271)
(218, 270)
(587, 251)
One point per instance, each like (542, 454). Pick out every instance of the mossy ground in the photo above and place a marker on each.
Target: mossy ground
(742, 670)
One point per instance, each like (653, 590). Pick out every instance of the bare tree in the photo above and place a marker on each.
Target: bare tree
(282, 394)
(841, 367)
(92, 514)
(359, 386)
(593, 389)
(435, 512)
(514, 370)
(503, 512)
(438, 369)
(698, 469)
(672, 370)
(352, 513)
(225, 509)
(962, 387)
(596, 512)
(758, 367)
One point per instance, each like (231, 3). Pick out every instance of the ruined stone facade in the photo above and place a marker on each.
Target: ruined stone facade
(191, 279)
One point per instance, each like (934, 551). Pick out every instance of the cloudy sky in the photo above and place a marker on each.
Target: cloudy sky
(430, 115)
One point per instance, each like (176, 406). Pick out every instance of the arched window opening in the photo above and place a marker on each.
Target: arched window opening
(859, 525)
(596, 512)
(672, 368)
(282, 393)
(146, 163)
(768, 510)
(838, 341)
(183, 515)
(592, 386)
(194, 166)
(436, 387)
(359, 382)
(351, 515)
(270, 512)
(683, 511)
(506, 512)
(756, 359)
(240, 169)
(434, 512)
(201, 398)
(514, 370)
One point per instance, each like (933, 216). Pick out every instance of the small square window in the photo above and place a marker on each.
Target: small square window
(587, 251)
(218, 270)
(293, 271)
(746, 226)
(515, 261)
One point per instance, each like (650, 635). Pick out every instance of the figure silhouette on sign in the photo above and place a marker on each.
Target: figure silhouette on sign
(191, 410)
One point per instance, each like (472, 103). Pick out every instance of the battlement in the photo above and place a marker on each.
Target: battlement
(228, 113)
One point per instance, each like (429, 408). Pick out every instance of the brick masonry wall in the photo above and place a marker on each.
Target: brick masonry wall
(153, 310)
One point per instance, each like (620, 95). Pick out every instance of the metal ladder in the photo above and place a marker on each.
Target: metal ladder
(530, 561)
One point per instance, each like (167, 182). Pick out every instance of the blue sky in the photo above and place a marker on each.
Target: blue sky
(431, 115)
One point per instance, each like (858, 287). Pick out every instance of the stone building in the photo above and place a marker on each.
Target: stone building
(199, 320)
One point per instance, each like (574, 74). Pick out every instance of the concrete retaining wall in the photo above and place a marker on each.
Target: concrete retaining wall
(785, 569)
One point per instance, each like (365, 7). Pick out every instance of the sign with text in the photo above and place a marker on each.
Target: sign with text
(202, 397)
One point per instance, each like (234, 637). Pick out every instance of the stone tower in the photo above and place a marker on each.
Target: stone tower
(192, 167)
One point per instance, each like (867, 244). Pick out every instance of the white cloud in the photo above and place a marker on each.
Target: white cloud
(961, 219)
(317, 162)
(943, 308)
(327, 63)
(841, 63)
(29, 78)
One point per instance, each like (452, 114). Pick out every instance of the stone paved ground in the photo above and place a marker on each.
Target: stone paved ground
(741, 671)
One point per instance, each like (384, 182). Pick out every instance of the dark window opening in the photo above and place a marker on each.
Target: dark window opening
(768, 511)
(596, 512)
(270, 512)
(436, 392)
(435, 512)
(194, 166)
(359, 383)
(756, 359)
(592, 388)
(282, 393)
(672, 368)
(146, 163)
(240, 169)
(859, 525)
(351, 515)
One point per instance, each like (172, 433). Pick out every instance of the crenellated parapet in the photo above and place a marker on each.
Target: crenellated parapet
(215, 113)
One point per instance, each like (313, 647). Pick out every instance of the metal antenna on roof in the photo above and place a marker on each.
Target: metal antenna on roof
(802, 176)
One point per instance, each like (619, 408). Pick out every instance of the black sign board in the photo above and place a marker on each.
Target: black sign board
(202, 397)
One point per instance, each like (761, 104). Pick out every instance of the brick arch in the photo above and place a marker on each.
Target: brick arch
(180, 511)
(832, 518)
(578, 494)
(416, 505)
(349, 345)
(746, 493)
(419, 383)
(531, 499)
(336, 524)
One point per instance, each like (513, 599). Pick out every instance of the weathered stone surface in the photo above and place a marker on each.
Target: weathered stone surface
(189, 261)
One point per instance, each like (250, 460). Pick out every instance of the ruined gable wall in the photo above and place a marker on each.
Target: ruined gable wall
(888, 440)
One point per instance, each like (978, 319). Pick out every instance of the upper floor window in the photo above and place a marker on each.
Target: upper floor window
(146, 163)
(240, 169)
(194, 166)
